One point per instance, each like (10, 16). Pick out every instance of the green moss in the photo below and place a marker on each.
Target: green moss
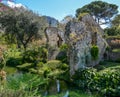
(81, 15)
(64, 47)
(116, 50)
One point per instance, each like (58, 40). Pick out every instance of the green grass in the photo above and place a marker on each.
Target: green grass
(116, 50)
(108, 66)
(117, 36)
(10, 70)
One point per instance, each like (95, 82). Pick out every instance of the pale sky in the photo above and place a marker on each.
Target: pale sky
(57, 8)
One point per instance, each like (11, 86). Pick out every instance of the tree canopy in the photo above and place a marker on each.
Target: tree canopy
(101, 11)
(20, 25)
(115, 27)
(116, 20)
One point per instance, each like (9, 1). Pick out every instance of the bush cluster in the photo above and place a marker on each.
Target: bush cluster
(33, 55)
(107, 84)
(52, 69)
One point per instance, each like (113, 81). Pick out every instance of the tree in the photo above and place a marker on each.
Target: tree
(99, 10)
(21, 24)
(116, 20)
(115, 27)
(112, 31)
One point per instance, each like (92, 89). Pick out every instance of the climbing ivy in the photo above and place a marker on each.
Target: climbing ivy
(94, 52)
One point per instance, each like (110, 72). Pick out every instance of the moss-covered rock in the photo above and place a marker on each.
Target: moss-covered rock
(52, 87)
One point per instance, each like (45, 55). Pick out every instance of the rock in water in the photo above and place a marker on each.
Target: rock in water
(66, 94)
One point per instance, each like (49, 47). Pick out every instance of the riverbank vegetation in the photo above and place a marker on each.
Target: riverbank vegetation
(25, 70)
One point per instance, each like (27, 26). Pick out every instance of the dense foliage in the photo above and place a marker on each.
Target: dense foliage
(31, 74)
(100, 10)
(62, 56)
(21, 26)
(116, 20)
(94, 52)
(112, 31)
(105, 83)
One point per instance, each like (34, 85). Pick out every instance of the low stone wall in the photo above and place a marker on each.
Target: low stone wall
(114, 56)
(114, 42)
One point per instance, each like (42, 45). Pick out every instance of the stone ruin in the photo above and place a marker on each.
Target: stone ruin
(114, 44)
(55, 38)
(79, 36)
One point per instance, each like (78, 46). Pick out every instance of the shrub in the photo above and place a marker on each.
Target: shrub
(63, 47)
(43, 53)
(13, 62)
(46, 72)
(64, 66)
(108, 48)
(12, 53)
(109, 84)
(94, 52)
(62, 56)
(1, 66)
(106, 83)
(30, 56)
(10, 70)
(33, 55)
(118, 60)
(40, 65)
(32, 70)
(113, 31)
(83, 77)
(54, 64)
(52, 69)
(25, 66)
